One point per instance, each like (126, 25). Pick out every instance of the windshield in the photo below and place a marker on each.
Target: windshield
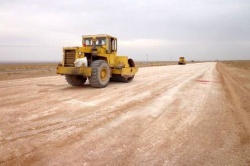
(87, 41)
(99, 41)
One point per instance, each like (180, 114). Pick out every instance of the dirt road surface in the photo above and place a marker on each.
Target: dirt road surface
(168, 115)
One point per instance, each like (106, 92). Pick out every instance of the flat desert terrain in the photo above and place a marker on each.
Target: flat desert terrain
(194, 114)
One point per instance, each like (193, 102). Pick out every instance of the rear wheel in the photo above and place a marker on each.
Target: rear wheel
(100, 74)
(75, 80)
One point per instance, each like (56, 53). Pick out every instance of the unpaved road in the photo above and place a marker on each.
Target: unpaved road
(168, 115)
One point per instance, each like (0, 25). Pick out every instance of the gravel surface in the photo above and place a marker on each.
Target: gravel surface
(195, 114)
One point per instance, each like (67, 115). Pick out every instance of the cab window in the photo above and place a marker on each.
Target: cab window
(87, 41)
(100, 41)
(113, 45)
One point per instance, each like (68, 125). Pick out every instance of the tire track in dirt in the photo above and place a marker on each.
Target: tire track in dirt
(131, 128)
(122, 124)
(84, 126)
(155, 96)
(237, 94)
(58, 126)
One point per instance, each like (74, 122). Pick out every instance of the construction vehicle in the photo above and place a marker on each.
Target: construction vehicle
(97, 61)
(182, 61)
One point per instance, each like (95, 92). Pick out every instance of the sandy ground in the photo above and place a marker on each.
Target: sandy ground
(197, 114)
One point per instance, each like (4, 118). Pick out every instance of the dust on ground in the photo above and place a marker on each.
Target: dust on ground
(194, 114)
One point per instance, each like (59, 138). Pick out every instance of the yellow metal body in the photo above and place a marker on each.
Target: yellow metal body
(104, 48)
(84, 71)
(182, 61)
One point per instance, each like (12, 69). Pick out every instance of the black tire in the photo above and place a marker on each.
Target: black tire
(100, 74)
(131, 64)
(75, 80)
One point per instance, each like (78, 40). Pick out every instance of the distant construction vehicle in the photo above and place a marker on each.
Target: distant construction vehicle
(182, 61)
(96, 60)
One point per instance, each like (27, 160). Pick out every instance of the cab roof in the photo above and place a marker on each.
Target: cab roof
(98, 35)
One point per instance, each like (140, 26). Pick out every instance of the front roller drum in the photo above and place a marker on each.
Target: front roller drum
(119, 78)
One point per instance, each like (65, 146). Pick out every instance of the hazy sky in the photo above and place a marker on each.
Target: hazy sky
(36, 30)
